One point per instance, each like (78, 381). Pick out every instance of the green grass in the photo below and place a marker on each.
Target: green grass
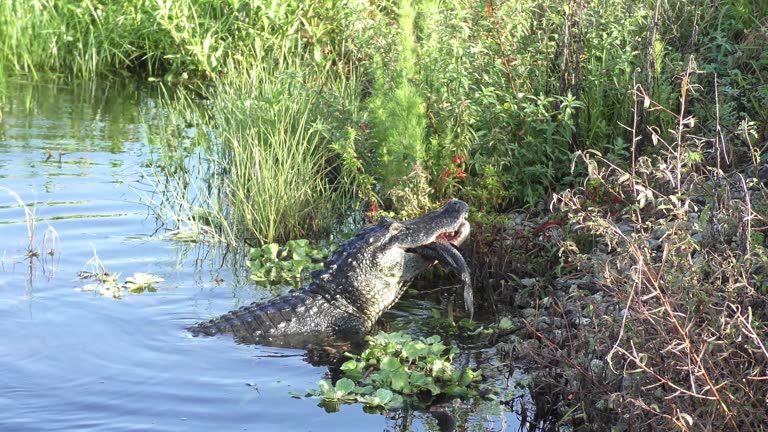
(267, 169)
(277, 157)
(175, 39)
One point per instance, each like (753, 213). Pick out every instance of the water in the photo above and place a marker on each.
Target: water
(72, 360)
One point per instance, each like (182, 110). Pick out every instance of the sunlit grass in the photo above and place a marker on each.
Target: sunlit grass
(264, 168)
(175, 39)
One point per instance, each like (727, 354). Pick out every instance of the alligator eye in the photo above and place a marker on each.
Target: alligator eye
(396, 228)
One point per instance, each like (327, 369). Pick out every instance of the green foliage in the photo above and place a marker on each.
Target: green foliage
(278, 184)
(273, 264)
(396, 109)
(397, 122)
(516, 112)
(108, 284)
(175, 39)
(490, 101)
(397, 370)
(258, 160)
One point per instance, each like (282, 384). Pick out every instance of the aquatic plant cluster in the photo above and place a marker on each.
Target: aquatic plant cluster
(290, 264)
(633, 133)
(396, 370)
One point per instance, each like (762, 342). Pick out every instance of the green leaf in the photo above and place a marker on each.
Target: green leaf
(456, 391)
(349, 365)
(384, 395)
(468, 324)
(437, 348)
(363, 390)
(414, 349)
(419, 379)
(467, 376)
(375, 378)
(505, 323)
(344, 386)
(396, 401)
(297, 244)
(325, 386)
(399, 381)
(142, 279)
(390, 364)
(270, 250)
(431, 386)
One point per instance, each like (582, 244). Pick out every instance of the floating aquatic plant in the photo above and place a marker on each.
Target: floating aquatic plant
(397, 370)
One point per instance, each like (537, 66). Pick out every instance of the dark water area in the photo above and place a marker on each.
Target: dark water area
(74, 360)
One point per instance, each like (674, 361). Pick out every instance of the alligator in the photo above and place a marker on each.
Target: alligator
(356, 285)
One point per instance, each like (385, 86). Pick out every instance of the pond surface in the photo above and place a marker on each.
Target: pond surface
(70, 359)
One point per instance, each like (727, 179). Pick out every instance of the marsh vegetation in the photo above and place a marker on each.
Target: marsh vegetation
(631, 135)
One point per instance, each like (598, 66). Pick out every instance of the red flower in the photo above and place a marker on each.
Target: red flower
(461, 174)
(373, 212)
(457, 160)
(509, 61)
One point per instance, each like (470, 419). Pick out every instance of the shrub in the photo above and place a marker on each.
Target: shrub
(684, 260)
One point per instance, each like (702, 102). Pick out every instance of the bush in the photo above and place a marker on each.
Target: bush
(684, 258)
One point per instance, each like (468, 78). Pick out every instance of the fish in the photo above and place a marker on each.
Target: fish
(450, 257)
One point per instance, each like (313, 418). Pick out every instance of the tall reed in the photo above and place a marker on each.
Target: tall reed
(267, 169)
(278, 185)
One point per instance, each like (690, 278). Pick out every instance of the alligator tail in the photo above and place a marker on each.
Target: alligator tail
(297, 312)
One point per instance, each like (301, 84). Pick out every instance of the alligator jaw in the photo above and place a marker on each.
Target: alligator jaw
(443, 249)
(456, 237)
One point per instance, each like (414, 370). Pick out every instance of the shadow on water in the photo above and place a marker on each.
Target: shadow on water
(76, 158)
